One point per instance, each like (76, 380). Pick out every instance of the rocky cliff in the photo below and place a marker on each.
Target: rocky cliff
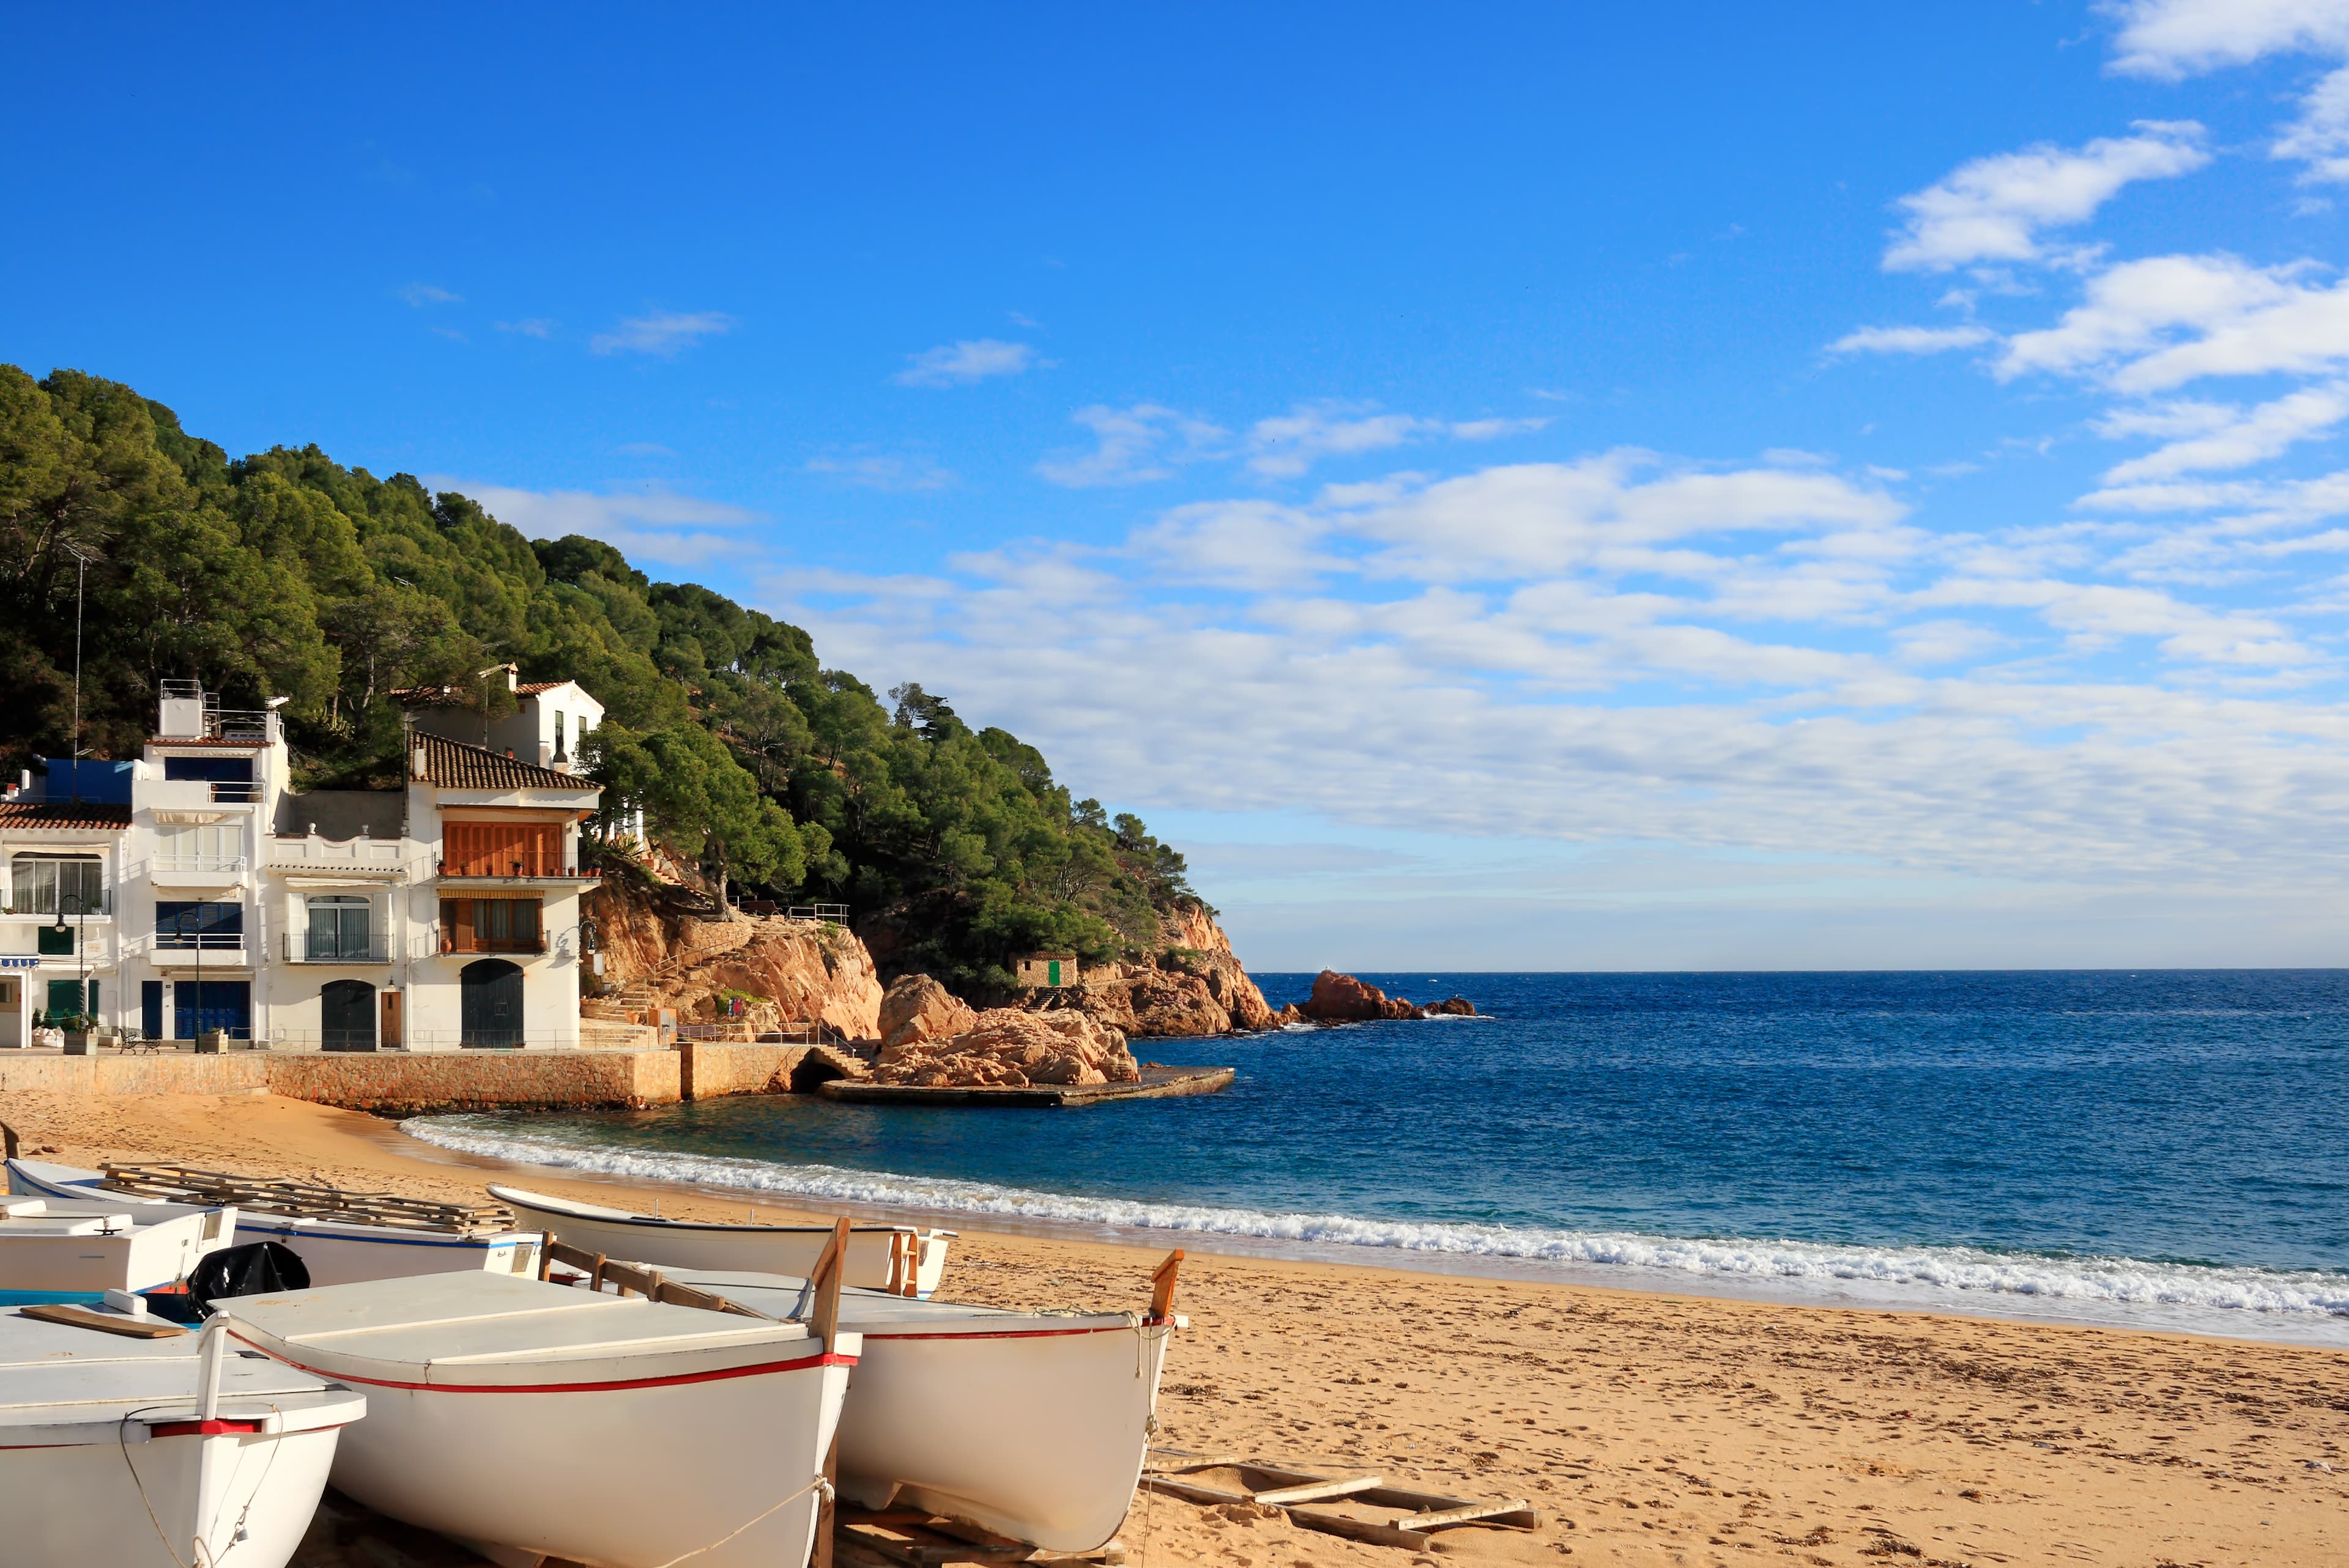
(1193, 985)
(664, 947)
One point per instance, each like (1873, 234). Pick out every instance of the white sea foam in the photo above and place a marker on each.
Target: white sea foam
(2091, 1283)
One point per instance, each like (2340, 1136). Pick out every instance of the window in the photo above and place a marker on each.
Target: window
(490, 926)
(205, 925)
(218, 769)
(66, 999)
(41, 884)
(501, 848)
(54, 943)
(209, 847)
(558, 734)
(338, 928)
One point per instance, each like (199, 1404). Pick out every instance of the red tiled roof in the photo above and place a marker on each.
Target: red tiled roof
(76, 816)
(453, 765)
(531, 689)
(462, 697)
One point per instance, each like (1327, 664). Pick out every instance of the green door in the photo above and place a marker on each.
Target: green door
(1052, 972)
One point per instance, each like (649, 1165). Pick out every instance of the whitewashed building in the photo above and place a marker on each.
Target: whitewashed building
(438, 915)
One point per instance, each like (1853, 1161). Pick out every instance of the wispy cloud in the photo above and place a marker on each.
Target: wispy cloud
(960, 364)
(650, 524)
(529, 326)
(2203, 436)
(422, 295)
(663, 333)
(1995, 210)
(1132, 445)
(1287, 445)
(1910, 339)
(883, 471)
(2172, 39)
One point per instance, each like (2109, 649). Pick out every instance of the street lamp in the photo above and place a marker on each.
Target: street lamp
(81, 949)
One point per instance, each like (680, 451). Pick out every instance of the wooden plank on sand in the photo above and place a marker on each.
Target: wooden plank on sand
(1320, 1490)
(1360, 1529)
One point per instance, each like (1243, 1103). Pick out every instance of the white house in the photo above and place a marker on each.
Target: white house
(441, 914)
(545, 727)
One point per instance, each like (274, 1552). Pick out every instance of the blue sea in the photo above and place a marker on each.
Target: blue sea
(2166, 1149)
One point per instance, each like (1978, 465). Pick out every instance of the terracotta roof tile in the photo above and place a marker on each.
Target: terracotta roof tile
(79, 816)
(531, 689)
(453, 765)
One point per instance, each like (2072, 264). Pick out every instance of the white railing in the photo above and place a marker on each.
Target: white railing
(222, 863)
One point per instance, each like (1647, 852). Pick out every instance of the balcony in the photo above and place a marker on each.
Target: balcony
(194, 794)
(500, 945)
(301, 947)
(508, 873)
(188, 949)
(196, 871)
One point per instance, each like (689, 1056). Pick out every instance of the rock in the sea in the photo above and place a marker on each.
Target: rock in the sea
(1342, 999)
(1289, 1014)
(917, 1009)
(1173, 1004)
(1010, 1048)
(1456, 1007)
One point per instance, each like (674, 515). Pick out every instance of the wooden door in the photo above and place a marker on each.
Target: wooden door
(389, 1037)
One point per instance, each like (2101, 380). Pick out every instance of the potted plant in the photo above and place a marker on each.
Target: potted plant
(212, 1042)
(79, 1033)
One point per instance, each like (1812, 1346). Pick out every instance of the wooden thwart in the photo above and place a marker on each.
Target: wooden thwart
(1289, 1490)
(302, 1200)
(626, 1277)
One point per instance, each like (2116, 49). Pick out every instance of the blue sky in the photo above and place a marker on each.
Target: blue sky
(1522, 487)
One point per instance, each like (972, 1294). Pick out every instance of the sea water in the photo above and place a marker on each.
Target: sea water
(2167, 1149)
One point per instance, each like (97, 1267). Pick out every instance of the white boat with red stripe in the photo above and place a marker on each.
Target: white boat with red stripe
(904, 1259)
(119, 1452)
(1034, 1424)
(533, 1422)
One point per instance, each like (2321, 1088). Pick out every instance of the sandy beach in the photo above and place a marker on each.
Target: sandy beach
(1654, 1429)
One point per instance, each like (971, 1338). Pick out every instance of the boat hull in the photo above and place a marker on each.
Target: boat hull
(332, 1252)
(1035, 1425)
(745, 1249)
(154, 1252)
(638, 1454)
(274, 1488)
(1038, 1436)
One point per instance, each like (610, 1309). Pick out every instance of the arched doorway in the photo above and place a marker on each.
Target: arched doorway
(346, 1015)
(491, 1003)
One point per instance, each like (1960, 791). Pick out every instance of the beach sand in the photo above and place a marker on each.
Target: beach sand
(1654, 1429)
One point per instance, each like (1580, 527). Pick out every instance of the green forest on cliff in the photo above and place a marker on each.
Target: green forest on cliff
(287, 575)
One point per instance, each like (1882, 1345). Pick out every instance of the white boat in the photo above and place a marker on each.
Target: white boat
(55, 1250)
(112, 1456)
(529, 1421)
(1034, 1424)
(336, 1251)
(880, 1257)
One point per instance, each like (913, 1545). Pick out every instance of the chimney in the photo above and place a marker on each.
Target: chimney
(419, 761)
(545, 753)
(513, 678)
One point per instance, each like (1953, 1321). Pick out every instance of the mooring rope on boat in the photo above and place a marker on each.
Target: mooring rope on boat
(821, 1486)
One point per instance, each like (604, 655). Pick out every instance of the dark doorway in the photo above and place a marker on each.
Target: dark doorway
(491, 1008)
(346, 1015)
(219, 1005)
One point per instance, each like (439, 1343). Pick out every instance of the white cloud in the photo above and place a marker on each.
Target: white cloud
(664, 333)
(960, 364)
(1910, 339)
(2172, 39)
(1132, 445)
(645, 525)
(2152, 325)
(1993, 209)
(1287, 445)
(422, 295)
(884, 471)
(2207, 436)
(529, 326)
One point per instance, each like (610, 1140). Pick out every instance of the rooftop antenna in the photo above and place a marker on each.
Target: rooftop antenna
(81, 577)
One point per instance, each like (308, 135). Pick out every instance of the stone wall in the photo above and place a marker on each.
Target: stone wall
(404, 1084)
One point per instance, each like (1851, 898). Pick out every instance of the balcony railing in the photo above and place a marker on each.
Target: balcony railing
(197, 941)
(493, 943)
(513, 871)
(363, 854)
(300, 948)
(231, 794)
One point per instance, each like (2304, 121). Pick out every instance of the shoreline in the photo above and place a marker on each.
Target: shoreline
(1656, 1429)
(1823, 1288)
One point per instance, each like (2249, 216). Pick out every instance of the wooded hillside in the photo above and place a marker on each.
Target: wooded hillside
(287, 574)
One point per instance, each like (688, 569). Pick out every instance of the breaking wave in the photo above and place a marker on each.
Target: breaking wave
(2129, 1284)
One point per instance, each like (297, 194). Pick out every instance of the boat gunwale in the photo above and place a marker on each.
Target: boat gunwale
(597, 1214)
(818, 1361)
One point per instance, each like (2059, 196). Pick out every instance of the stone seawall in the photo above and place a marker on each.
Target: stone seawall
(405, 1084)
